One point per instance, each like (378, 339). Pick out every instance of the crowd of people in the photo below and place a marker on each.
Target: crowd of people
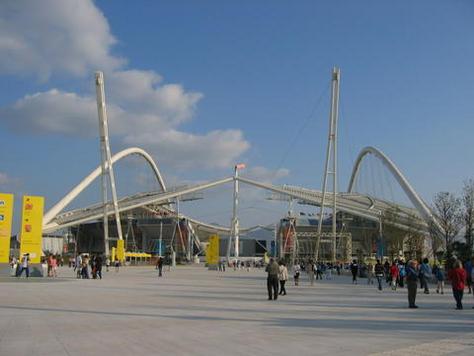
(396, 274)
(87, 266)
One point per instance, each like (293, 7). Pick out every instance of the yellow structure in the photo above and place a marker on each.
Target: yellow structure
(31, 234)
(6, 214)
(137, 254)
(120, 250)
(212, 250)
(266, 259)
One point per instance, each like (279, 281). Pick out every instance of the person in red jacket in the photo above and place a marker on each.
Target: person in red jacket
(457, 275)
(394, 272)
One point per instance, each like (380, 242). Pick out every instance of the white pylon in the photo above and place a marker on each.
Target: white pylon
(106, 159)
(331, 157)
(234, 235)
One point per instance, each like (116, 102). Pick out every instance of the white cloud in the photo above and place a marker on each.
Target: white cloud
(73, 37)
(53, 112)
(139, 91)
(73, 115)
(264, 174)
(64, 36)
(216, 149)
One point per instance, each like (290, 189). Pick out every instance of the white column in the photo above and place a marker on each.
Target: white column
(331, 154)
(107, 168)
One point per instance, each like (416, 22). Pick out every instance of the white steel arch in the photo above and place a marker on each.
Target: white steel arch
(56, 209)
(415, 199)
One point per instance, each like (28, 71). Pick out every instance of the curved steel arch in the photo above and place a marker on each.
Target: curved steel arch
(415, 199)
(56, 209)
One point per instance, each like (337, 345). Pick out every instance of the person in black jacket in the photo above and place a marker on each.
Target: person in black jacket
(412, 285)
(272, 280)
(98, 266)
(379, 273)
(386, 270)
(354, 271)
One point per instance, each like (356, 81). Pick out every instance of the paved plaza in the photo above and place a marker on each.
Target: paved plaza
(193, 311)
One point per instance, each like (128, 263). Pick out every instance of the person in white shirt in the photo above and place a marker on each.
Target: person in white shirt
(296, 273)
(25, 265)
(283, 276)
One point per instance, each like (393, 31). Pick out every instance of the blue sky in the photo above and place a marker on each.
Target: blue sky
(204, 84)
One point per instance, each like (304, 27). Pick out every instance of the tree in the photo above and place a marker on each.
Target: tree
(468, 213)
(447, 209)
(414, 239)
(436, 241)
(393, 235)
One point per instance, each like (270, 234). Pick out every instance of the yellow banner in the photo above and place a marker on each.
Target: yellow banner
(6, 214)
(32, 227)
(120, 250)
(212, 250)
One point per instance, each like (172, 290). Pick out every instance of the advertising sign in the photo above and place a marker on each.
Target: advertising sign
(212, 251)
(31, 234)
(6, 214)
(120, 250)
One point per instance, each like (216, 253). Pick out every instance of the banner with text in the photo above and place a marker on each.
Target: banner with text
(32, 227)
(6, 214)
(120, 250)
(212, 251)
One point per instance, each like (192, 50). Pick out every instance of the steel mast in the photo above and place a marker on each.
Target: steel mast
(106, 160)
(331, 157)
(234, 234)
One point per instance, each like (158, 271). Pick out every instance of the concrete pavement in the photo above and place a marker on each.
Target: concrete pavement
(193, 311)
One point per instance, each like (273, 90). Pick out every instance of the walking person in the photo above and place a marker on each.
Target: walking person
(354, 271)
(457, 275)
(78, 266)
(296, 273)
(13, 266)
(378, 269)
(439, 275)
(98, 266)
(283, 276)
(401, 274)
(54, 266)
(272, 279)
(311, 271)
(44, 267)
(25, 265)
(107, 264)
(425, 275)
(412, 283)
(85, 267)
(117, 264)
(160, 266)
(394, 273)
(319, 270)
(468, 269)
(50, 265)
(370, 273)
(386, 271)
